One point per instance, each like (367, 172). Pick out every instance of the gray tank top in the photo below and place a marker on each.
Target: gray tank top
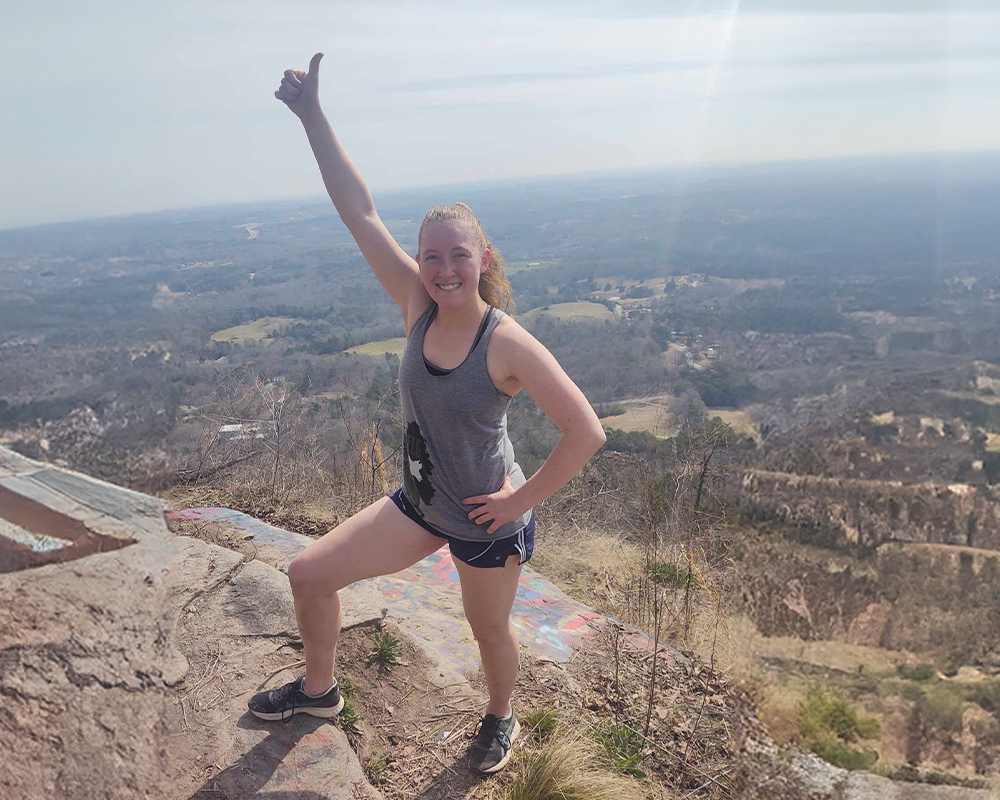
(455, 442)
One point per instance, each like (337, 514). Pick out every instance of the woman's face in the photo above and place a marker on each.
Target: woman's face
(451, 262)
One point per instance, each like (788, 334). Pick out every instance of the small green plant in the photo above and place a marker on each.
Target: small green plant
(347, 686)
(625, 747)
(349, 719)
(830, 725)
(666, 572)
(377, 770)
(388, 651)
(542, 721)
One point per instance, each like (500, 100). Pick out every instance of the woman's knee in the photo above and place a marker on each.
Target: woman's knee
(307, 578)
(497, 632)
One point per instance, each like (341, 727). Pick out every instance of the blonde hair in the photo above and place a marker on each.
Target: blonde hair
(494, 287)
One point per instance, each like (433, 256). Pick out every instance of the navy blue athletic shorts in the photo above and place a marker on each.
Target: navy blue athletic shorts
(476, 554)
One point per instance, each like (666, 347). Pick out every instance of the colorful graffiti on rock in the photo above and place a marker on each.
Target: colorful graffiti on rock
(427, 599)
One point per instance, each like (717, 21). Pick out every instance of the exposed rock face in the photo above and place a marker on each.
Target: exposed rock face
(125, 674)
(842, 511)
(919, 598)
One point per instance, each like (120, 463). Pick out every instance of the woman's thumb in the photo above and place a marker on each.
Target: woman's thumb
(314, 65)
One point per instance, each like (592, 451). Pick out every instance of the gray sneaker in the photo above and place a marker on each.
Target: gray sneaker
(491, 752)
(291, 699)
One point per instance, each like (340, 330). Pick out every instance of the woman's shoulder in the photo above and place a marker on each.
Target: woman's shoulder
(507, 328)
(512, 339)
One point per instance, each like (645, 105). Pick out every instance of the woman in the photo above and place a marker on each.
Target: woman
(464, 361)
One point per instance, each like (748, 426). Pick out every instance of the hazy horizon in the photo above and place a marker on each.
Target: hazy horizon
(127, 110)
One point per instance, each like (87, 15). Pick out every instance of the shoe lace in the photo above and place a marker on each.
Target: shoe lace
(490, 730)
(280, 695)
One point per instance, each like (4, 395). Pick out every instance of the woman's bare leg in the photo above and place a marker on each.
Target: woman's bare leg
(379, 540)
(488, 596)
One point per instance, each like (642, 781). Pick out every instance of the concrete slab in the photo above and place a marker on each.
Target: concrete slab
(12, 463)
(105, 509)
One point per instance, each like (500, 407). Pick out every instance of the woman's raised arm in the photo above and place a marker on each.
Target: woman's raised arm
(396, 271)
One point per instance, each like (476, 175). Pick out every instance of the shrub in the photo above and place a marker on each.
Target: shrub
(829, 725)
(941, 707)
(921, 672)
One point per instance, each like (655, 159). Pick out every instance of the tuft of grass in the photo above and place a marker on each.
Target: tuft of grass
(567, 767)
(543, 722)
(347, 687)
(666, 572)
(625, 748)
(388, 651)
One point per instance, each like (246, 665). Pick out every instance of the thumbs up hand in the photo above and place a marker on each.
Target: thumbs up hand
(299, 89)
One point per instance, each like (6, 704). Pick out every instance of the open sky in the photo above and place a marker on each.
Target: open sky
(115, 107)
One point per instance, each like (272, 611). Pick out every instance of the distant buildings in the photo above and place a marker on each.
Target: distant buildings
(241, 431)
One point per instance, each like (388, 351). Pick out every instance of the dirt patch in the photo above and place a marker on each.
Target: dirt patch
(414, 734)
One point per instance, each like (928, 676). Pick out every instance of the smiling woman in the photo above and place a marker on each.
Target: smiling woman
(464, 360)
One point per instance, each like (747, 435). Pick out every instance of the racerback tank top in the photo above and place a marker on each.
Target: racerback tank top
(455, 442)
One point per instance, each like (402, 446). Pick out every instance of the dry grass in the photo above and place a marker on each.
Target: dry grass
(739, 421)
(651, 417)
(570, 311)
(588, 565)
(255, 331)
(568, 766)
(380, 347)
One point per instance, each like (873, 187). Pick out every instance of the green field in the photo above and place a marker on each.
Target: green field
(651, 417)
(531, 263)
(255, 331)
(656, 419)
(379, 348)
(739, 421)
(569, 311)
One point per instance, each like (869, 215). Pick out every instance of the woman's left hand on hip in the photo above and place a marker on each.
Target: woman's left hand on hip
(501, 507)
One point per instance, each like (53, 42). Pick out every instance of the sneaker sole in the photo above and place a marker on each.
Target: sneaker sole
(326, 713)
(503, 761)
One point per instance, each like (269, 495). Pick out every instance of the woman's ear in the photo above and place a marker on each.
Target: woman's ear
(485, 260)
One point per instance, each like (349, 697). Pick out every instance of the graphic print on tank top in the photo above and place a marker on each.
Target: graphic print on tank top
(417, 467)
